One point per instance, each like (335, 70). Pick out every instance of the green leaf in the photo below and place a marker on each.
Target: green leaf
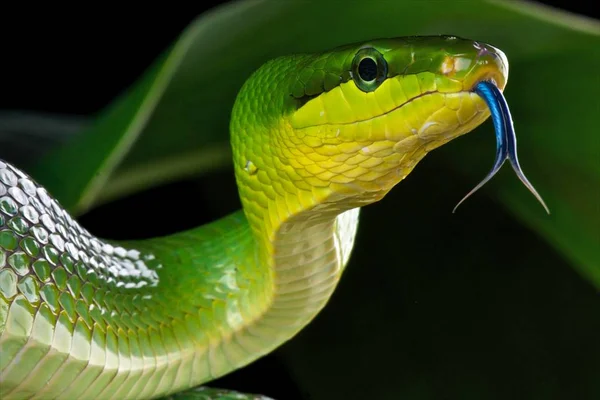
(174, 122)
(78, 171)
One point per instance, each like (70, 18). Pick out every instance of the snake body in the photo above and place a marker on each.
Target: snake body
(315, 137)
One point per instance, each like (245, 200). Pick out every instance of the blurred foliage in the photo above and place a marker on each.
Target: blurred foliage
(173, 124)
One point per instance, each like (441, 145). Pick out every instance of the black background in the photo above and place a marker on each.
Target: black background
(75, 61)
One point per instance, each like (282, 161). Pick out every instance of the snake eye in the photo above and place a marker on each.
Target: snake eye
(369, 69)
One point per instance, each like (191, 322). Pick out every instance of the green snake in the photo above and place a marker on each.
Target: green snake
(314, 138)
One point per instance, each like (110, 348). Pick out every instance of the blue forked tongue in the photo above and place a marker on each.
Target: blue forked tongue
(506, 141)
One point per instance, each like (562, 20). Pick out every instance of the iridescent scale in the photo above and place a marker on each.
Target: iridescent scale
(55, 273)
(37, 235)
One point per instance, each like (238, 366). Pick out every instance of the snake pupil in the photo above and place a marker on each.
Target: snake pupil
(367, 69)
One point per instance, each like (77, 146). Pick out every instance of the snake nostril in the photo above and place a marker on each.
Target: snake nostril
(482, 50)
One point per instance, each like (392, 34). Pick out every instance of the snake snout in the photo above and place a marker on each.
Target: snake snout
(490, 64)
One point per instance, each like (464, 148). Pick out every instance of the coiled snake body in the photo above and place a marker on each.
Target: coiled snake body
(314, 138)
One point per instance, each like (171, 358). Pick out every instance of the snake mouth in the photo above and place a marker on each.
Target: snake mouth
(488, 74)
(396, 108)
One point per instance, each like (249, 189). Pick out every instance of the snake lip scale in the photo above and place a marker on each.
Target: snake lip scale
(88, 318)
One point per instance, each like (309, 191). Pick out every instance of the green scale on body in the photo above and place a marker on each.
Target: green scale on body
(315, 137)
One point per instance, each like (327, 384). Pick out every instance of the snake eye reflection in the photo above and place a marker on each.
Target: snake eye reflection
(369, 69)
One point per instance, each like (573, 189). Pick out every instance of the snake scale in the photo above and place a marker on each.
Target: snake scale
(314, 138)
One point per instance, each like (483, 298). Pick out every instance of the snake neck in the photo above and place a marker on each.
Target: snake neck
(151, 317)
(300, 263)
(306, 259)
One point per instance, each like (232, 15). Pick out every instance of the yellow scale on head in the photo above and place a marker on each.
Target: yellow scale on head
(362, 136)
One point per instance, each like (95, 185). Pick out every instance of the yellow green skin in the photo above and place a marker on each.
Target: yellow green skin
(81, 318)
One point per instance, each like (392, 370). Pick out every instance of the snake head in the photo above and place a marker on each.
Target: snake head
(344, 126)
